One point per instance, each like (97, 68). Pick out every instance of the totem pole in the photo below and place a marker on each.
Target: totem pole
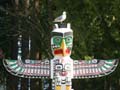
(62, 68)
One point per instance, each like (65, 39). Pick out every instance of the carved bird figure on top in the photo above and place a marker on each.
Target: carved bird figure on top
(61, 18)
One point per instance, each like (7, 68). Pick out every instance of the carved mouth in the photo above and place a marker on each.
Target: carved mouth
(60, 51)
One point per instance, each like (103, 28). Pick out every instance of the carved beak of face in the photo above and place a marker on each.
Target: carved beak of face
(63, 50)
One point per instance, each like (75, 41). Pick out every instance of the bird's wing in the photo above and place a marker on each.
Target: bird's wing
(33, 69)
(93, 68)
(58, 19)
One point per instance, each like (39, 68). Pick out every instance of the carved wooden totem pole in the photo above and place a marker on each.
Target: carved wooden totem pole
(62, 68)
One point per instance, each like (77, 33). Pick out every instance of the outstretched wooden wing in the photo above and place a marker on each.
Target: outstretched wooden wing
(93, 68)
(30, 69)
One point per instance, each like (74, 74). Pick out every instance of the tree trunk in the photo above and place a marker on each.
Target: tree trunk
(27, 4)
(105, 84)
(16, 4)
(37, 5)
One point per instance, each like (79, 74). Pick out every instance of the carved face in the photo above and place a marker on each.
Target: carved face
(63, 68)
(61, 43)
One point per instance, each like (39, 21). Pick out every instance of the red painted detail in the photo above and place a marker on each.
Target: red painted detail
(68, 51)
(63, 73)
(60, 51)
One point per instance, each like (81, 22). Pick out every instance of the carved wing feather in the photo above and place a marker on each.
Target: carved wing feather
(31, 69)
(93, 68)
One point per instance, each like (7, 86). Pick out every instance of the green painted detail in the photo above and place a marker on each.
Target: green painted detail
(14, 66)
(107, 66)
(11, 62)
(103, 68)
(68, 40)
(21, 70)
(11, 65)
(109, 61)
(57, 40)
(18, 69)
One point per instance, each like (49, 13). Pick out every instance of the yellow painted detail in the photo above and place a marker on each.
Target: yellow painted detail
(58, 87)
(68, 87)
(63, 46)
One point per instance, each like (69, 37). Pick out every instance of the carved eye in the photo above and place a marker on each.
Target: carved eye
(68, 40)
(67, 67)
(57, 40)
(94, 61)
(58, 67)
(75, 62)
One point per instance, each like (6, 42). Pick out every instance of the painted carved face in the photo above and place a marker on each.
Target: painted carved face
(62, 70)
(63, 67)
(61, 42)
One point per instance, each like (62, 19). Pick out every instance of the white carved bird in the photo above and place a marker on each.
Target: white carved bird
(61, 18)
